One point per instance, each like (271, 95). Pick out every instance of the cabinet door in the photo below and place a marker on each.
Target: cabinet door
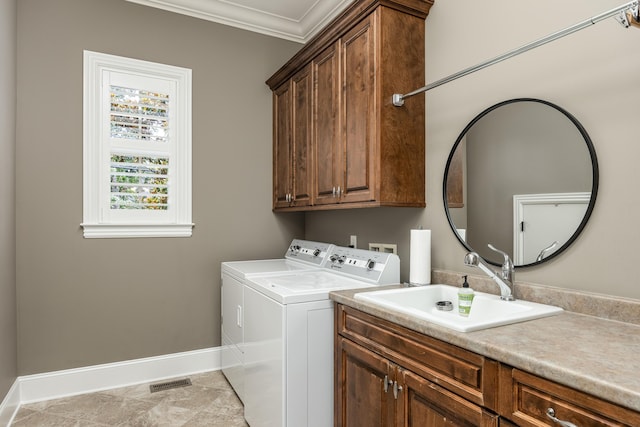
(328, 155)
(358, 111)
(428, 404)
(361, 399)
(282, 165)
(302, 92)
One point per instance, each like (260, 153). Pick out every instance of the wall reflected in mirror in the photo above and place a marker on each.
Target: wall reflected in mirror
(522, 176)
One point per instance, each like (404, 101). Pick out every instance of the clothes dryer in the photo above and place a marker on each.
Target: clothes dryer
(302, 255)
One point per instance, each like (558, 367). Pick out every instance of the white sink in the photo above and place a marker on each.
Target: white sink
(487, 310)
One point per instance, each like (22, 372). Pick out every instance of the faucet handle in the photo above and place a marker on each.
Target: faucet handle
(507, 261)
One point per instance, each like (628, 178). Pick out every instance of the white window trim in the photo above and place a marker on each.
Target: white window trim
(93, 224)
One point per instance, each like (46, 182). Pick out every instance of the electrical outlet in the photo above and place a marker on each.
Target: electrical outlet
(384, 247)
(353, 241)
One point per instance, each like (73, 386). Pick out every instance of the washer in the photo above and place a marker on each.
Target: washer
(302, 255)
(288, 335)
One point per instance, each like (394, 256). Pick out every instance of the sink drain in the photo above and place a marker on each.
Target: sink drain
(444, 305)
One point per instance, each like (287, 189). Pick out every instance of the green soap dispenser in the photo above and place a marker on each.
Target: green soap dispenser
(465, 298)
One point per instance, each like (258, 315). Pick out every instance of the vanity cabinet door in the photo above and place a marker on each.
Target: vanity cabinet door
(427, 404)
(526, 399)
(363, 396)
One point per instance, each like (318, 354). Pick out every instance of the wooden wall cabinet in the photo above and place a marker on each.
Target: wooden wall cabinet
(388, 375)
(292, 154)
(364, 151)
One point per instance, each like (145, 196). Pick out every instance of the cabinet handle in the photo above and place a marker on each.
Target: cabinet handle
(386, 383)
(339, 191)
(398, 388)
(552, 415)
(334, 191)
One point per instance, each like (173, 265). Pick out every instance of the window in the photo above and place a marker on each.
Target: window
(137, 148)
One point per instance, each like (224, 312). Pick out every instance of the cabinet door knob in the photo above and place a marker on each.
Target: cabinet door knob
(552, 415)
(396, 389)
(386, 383)
(334, 191)
(339, 191)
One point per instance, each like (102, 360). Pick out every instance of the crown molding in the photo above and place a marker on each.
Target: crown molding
(297, 29)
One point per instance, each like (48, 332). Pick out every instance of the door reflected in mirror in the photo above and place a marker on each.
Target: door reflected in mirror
(522, 176)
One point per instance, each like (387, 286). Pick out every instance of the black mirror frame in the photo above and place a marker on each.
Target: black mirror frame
(594, 178)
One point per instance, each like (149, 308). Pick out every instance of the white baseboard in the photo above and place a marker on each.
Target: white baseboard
(10, 404)
(53, 385)
(70, 382)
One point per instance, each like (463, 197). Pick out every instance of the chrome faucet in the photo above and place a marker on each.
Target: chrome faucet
(504, 281)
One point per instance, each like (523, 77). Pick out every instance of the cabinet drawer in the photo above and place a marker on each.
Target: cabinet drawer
(467, 374)
(525, 399)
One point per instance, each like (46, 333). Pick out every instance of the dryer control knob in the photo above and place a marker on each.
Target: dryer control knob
(370, 264)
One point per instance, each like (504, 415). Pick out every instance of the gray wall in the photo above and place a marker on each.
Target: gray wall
(8, 342)
(84, 302)
(90, 301)
(593, 74)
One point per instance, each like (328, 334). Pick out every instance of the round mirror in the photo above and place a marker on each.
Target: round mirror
(523, 177)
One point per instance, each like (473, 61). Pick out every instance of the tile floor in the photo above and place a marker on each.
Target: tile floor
(209, 402)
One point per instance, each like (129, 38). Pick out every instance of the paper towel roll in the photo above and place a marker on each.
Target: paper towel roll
(420, 259)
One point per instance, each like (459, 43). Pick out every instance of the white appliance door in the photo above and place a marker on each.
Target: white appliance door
(231, 357)
(264, 321)
(309, 361)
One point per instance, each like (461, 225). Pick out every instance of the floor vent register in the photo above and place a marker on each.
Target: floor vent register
(169, 385)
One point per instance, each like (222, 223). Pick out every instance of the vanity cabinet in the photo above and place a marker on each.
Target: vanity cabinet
(364, 152)
(388, 375)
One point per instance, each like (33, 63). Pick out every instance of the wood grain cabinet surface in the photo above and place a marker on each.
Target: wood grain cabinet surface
(526, 400)
(388, 375)
(361, 151)
(292, 112)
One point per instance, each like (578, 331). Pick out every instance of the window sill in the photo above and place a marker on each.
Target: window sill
(118, 231)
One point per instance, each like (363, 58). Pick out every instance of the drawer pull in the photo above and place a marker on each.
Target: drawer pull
(552, 415)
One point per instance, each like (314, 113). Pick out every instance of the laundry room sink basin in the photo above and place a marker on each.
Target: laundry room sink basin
(487, 310)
